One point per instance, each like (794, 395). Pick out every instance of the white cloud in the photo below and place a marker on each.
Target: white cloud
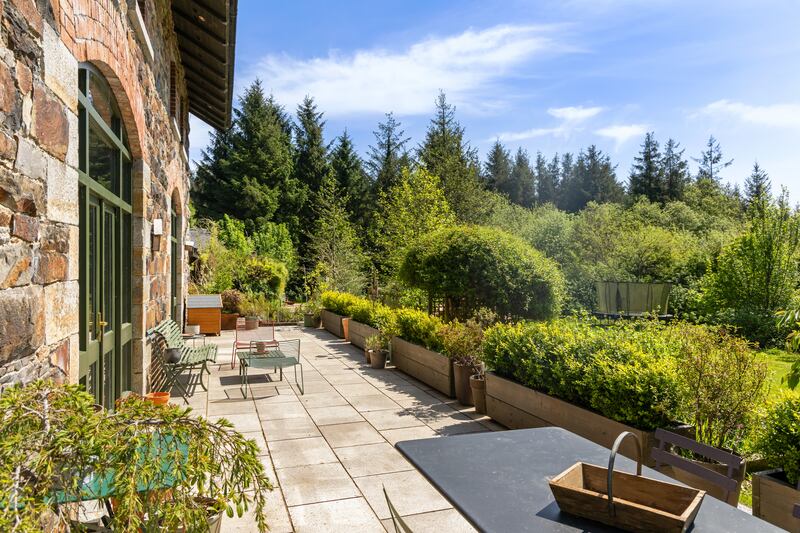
(621, 133)
(406, 82)
(571, 118)
(778, 115)
(574, 113)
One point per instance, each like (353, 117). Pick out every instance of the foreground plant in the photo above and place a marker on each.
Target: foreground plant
(161, 468)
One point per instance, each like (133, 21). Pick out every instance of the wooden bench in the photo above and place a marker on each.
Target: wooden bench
(191, 357)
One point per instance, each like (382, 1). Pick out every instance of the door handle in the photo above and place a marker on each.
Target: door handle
(100, 322)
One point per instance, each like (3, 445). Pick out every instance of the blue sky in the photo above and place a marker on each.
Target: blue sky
(548, 76)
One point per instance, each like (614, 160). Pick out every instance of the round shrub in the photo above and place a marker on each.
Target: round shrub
(261, 275)
(473, 267)
(779, 438)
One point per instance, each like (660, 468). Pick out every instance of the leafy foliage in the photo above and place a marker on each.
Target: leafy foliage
(778, 438)
(474, 267)
(420, 328)
(53, 440)
(462, 342)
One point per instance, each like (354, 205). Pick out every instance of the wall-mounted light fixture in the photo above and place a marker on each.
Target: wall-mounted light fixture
(157, 232)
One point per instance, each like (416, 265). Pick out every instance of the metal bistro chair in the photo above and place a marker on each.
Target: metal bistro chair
(727, 483)
(240, 343)
(397, 521)
(278, 356)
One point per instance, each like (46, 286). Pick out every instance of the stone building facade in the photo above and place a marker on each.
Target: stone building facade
(94, 179)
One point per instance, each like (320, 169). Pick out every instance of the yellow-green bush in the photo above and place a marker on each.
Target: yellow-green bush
(778, 438)
(420, 328)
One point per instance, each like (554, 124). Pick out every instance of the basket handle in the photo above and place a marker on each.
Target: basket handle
(611, 459)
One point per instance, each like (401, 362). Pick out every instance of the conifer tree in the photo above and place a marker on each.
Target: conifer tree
(497, 169)
(566, 181)
(333, 244)
(594, 179)
(388, 156)
(675, 170)
(445, 153)
(646, 177)
(312, 165)
(250, 169)
(351, 178)
(757, 186)
(547, 179)
(520, 188)
(711, 162)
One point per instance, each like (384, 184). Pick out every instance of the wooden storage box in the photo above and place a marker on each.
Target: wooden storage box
(205, 310)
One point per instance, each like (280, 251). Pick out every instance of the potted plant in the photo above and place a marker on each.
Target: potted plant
(462, 344)
(775, 492)
(250, 310)
(231, 304)
(376, 349)
(477, 383)
(311, 314)
(165, 468)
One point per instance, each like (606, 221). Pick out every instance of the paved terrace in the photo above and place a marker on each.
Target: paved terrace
(330, 451)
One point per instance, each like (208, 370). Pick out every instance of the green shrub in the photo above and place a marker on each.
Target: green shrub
(779, 437)
(462, 343)
(607, 370)
(232, 301)
(472, 267)
(340, 303)
(261, 275)
(420, 328)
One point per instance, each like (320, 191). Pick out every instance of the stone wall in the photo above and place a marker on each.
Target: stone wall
(42, 43)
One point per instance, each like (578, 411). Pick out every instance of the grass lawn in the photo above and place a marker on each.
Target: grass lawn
(778, 362)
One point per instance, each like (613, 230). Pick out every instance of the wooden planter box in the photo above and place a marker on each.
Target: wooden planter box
(229, 320)
(333, 323)
(359, 333)
(774, 500)
(431, 368)
(517, 406)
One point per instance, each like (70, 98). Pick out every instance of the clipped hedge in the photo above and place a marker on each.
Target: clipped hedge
(420, 328)
(778, 440)
(473, 267)
(619, 372)
(340, 303)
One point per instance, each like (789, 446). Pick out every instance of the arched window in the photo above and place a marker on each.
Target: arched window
(104, 172)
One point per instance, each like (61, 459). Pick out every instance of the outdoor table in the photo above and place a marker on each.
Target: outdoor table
(499, 481)
(275, 355)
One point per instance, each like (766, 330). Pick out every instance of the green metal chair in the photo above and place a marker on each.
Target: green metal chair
(266, 355)
(397, 521)
(191, 357)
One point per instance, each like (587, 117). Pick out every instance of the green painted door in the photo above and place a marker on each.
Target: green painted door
(105, 244)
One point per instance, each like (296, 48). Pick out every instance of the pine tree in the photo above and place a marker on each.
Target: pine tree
(248, 170)
(594, 179)
(351, 178)
(757, 186)
(567, 181)
(547, 180)
(711, 162)
(312, 165)
(520, 188)
(646, 177)
(444, 153)
(675, 170)
(333, 244)
(497, 168)
(388, 157)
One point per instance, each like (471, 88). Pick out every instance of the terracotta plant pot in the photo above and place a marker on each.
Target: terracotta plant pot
(478, 386)
(261, 347)
(157, 398)
(774, 499)
(251, 322)
(229, 320)
(346, 328)
(461, 376)
(377, 359)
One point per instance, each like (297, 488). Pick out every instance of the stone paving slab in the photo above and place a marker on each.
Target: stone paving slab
(330, 451)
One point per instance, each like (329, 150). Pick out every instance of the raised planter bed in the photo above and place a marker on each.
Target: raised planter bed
(431, 368)
(774, 499)
(333, 323)
(516, 406)
(359, 333)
